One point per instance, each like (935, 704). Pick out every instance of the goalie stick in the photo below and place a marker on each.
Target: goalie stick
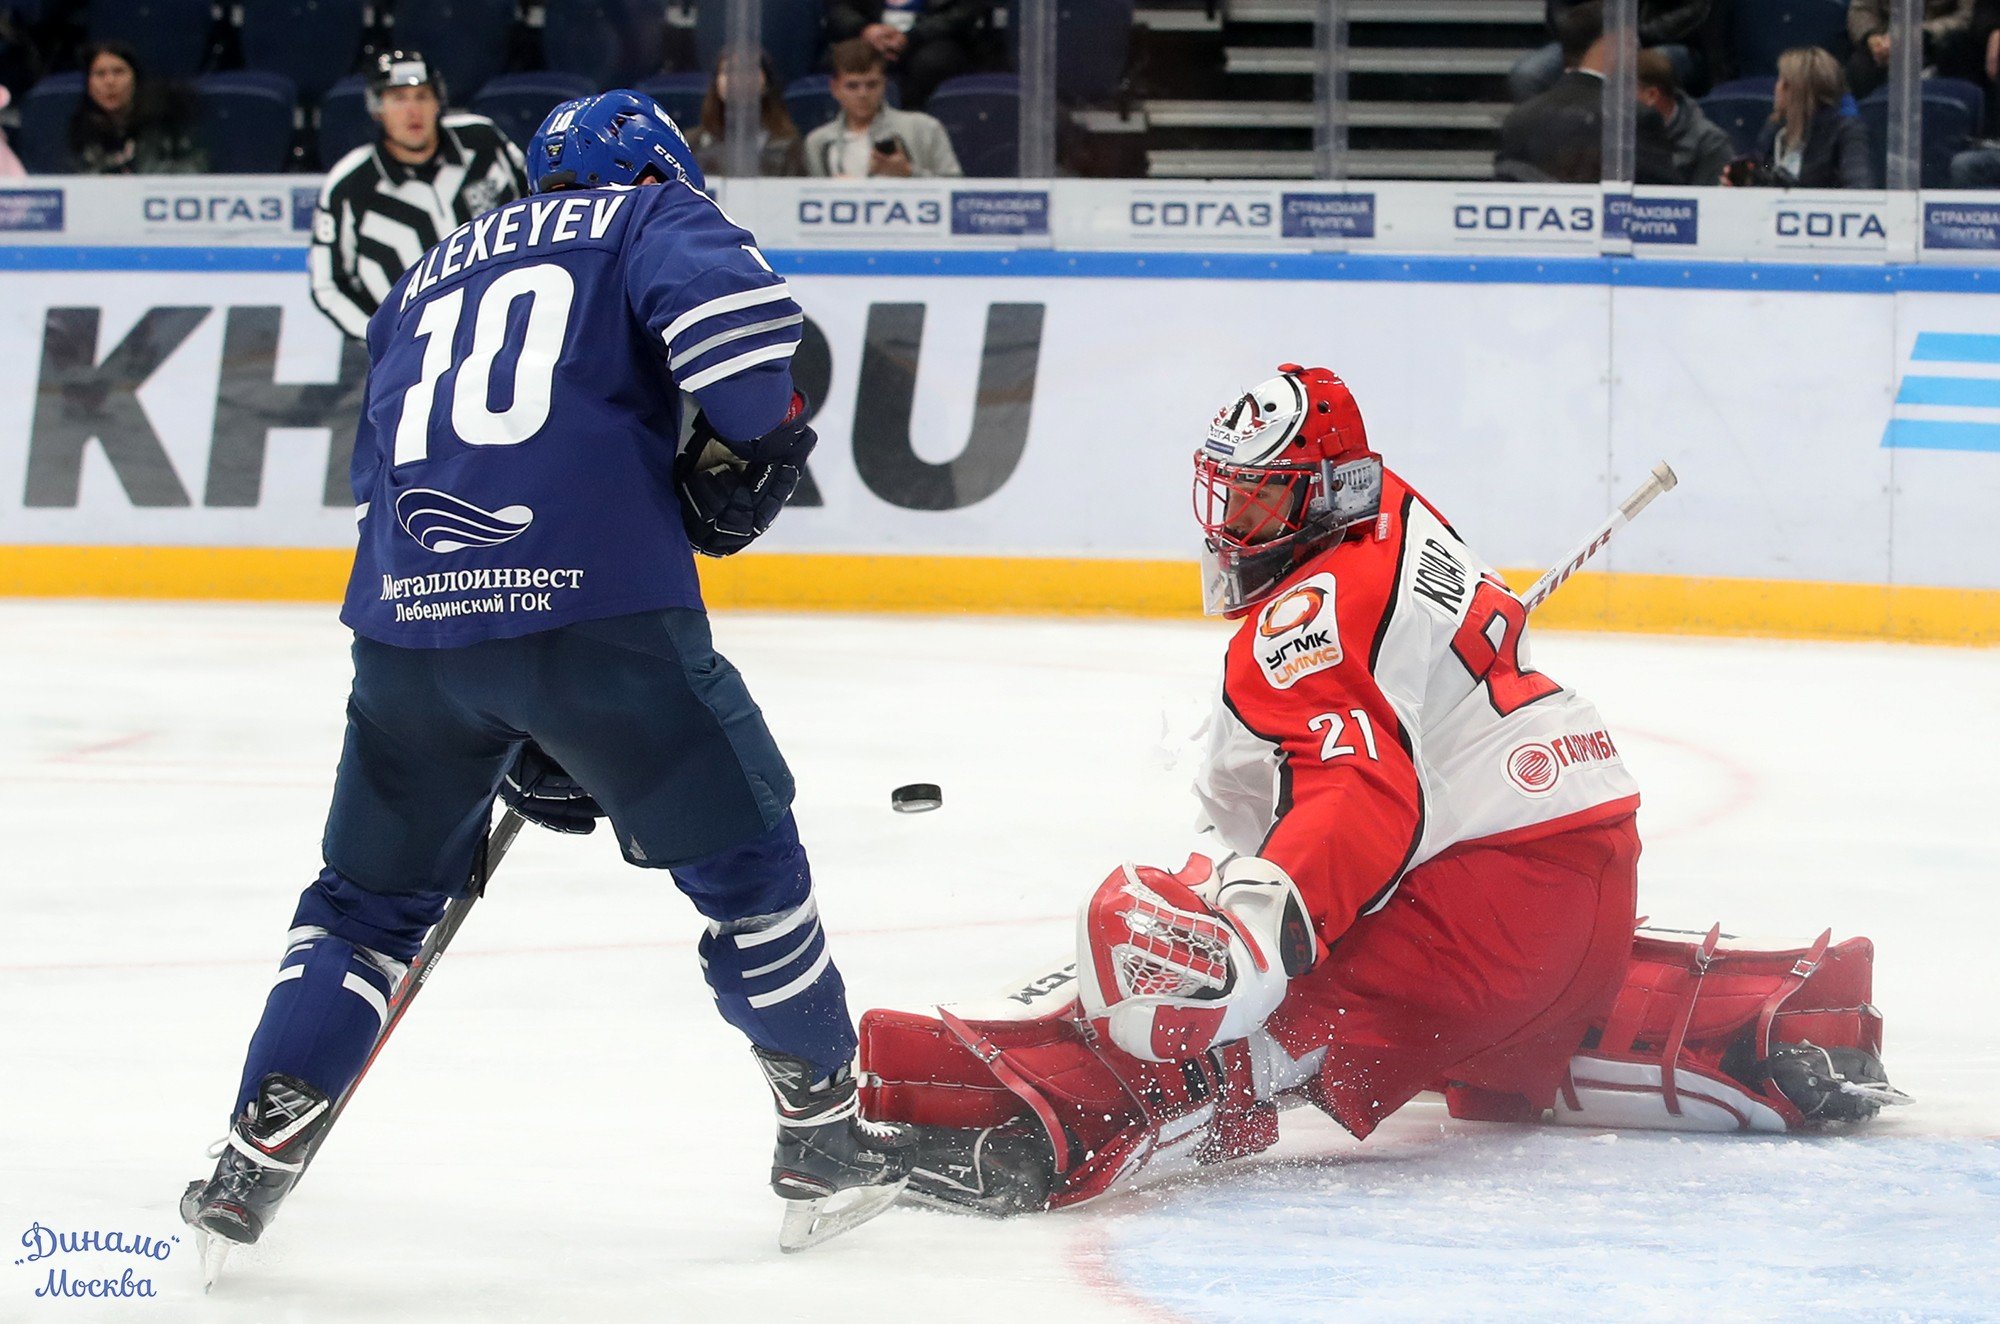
(214, 1250)
(1662, 479)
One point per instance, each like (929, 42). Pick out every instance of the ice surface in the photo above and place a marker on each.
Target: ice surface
(564, 1130)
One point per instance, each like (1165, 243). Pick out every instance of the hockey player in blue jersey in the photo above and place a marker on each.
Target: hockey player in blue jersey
(525, 607)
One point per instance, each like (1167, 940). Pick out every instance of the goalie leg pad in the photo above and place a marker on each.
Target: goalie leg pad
(1103, 1116)
(1707, 1036)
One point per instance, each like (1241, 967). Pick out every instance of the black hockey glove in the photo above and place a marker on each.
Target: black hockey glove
(731, 490)
(536, 787)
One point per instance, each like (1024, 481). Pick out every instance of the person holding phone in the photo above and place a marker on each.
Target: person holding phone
(869, 138)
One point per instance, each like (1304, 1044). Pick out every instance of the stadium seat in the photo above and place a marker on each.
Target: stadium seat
(245, 121)
(794, 35)
(1765, 29)
(611, 43)
(982, 113)
(171, 36)
(466, 40)
(1969, 95)
(1741, 108)
(518, 103)
(311, 42)
(810, 102)
(1947, 123)
(680, 95)
(43, 140)
(344, 121)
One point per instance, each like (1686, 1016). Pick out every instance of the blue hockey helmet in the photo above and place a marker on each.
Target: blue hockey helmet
(616, 137)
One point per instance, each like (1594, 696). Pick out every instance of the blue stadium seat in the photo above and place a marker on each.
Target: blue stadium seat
(1947, 123)
(1740, 108)
(611, 43)
(466, 40)
(344, 121)
(680, 95)
(982, 113)
(1969, 95)
(245, 121)
(518, 103)
(810, 102)
(171, 36)
(311, 42)
(43, 141)
(1765, 29)
(794, 35)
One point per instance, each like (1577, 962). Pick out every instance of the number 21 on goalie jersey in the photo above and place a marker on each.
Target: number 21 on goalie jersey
(514, 466)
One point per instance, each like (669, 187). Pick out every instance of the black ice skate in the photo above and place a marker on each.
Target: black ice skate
(261, 1160)
(1832, 1084)
(834, 1168)
(997, 1171)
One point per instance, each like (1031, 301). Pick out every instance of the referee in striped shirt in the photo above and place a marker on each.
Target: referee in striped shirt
(425, 175)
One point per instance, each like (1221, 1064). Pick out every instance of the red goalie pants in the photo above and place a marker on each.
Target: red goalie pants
(1485, 970)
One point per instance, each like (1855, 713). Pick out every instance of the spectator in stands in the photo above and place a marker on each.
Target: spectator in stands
(1558, 137)
(923, 41)
(127, 125)
(780, 150)
(1700, 148)
(382, 205)
(869, 138)
(1811, 140)
(1670, 26)
(1947, 41)
(10, 164)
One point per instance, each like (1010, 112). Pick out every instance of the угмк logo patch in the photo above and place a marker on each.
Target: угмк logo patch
(1298, 632)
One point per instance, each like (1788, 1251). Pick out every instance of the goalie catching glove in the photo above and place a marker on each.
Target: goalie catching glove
(1166, 973)
(730, 491)
(537, 787)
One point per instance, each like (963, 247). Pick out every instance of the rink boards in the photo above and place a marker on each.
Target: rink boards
(1008, 428)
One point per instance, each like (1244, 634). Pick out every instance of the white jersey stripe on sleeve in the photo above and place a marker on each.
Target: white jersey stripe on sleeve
(742, 362)
(687, 356)
(728, 303)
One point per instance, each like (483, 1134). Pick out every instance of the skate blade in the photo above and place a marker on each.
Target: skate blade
(808, 1223)
(213, 1252)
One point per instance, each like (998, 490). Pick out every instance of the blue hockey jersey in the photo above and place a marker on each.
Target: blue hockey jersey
(513, 470)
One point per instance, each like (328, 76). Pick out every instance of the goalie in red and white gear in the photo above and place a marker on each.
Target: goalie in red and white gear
(1431, 852)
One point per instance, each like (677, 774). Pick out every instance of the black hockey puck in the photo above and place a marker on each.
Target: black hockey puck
(915, 798)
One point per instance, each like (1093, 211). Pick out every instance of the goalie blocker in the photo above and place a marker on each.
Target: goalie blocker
(1031, 1102)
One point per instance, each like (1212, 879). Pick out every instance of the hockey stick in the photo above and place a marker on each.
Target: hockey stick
(491, 851)
(1662, 479)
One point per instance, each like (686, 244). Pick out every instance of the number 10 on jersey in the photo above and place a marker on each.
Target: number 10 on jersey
(550, 291)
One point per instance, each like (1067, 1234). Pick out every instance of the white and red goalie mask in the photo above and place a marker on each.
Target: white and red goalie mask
(1285, 471)
(1165, 974)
